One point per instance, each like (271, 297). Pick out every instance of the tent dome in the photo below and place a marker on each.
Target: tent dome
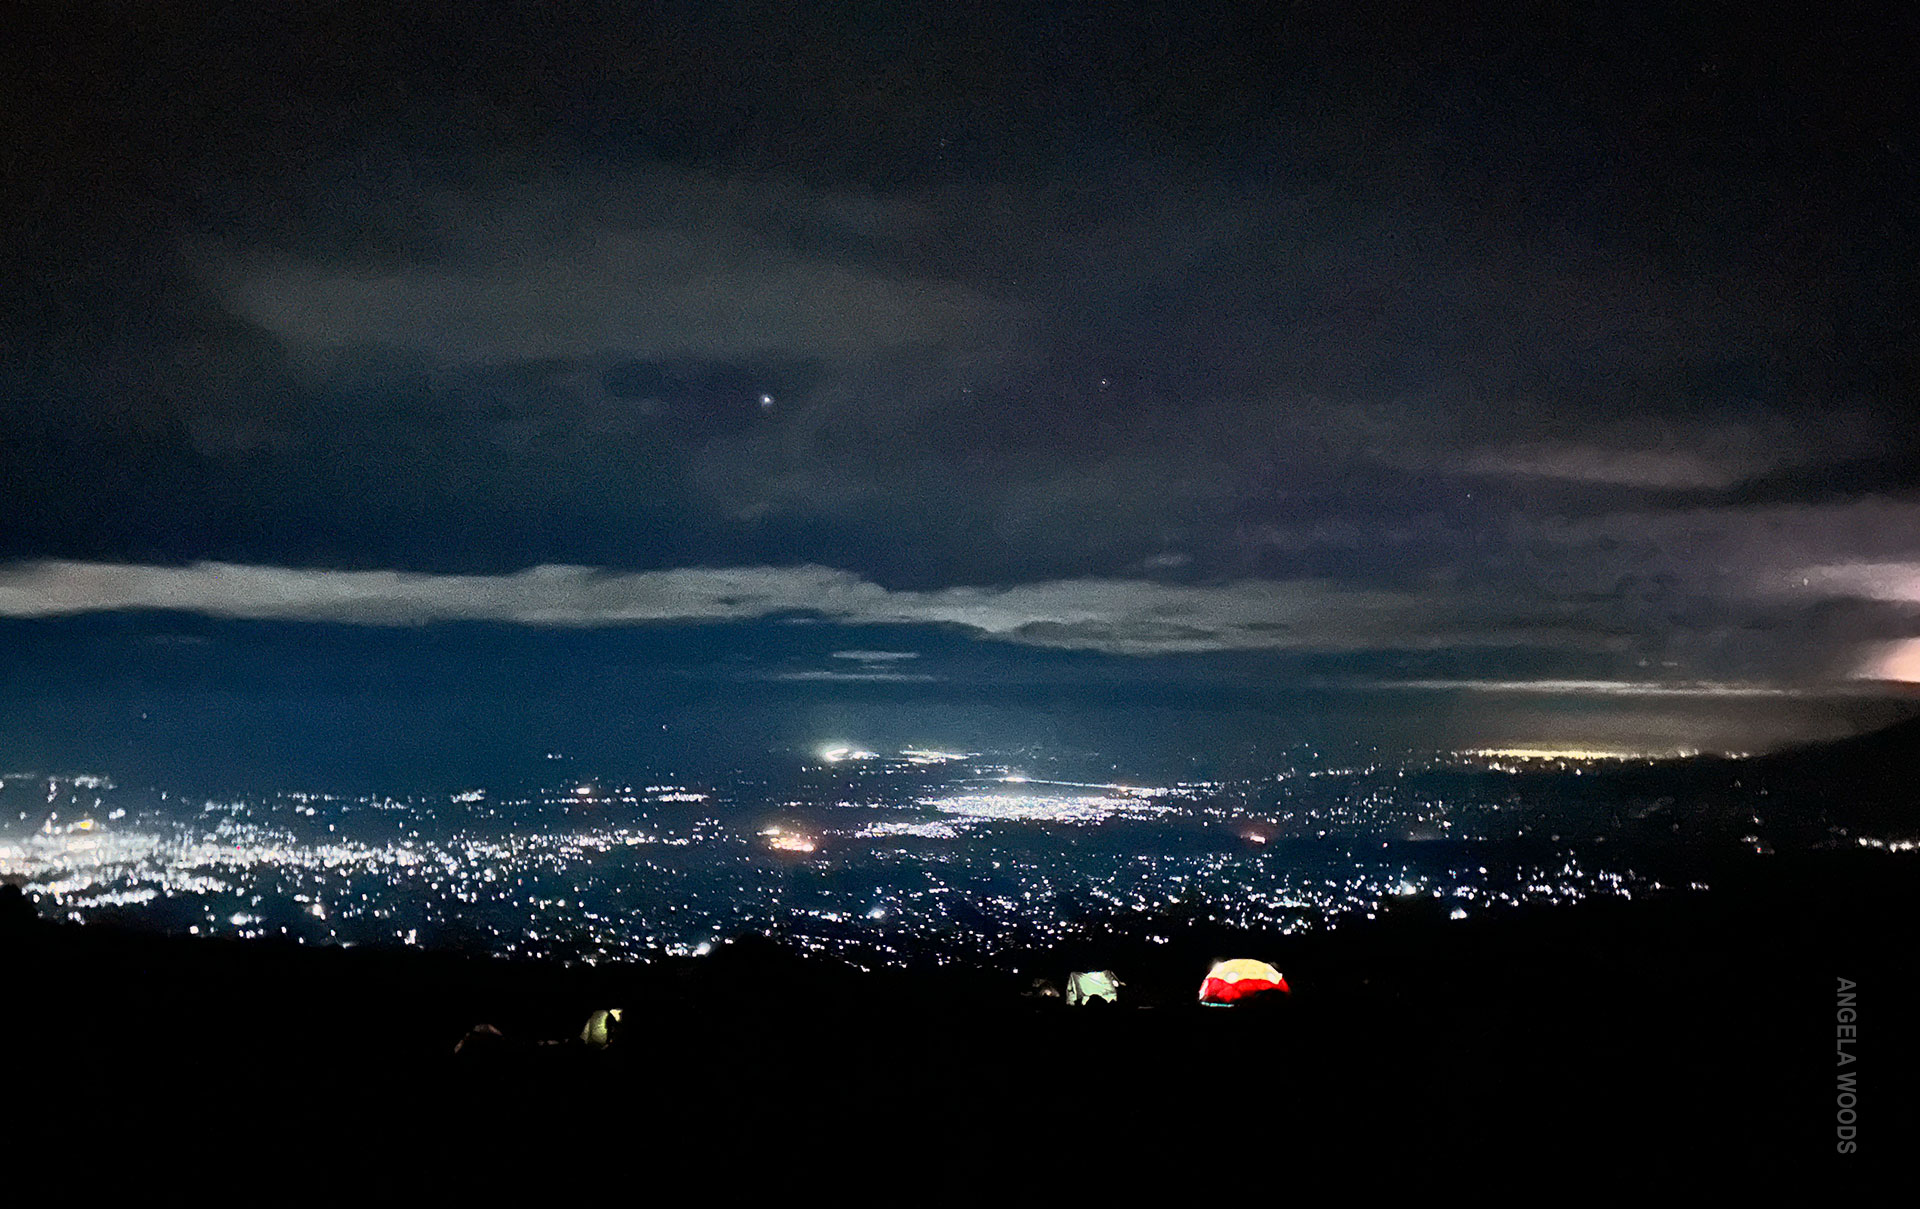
(1085, 986)
(601, 1029)
(1231, 981)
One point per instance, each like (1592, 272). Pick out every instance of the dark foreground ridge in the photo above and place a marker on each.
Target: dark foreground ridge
(1694, 1026)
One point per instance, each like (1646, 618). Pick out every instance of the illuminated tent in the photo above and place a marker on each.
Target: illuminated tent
(1088, 985)
(601, 1028)
(1042, 989)
(1230, 982)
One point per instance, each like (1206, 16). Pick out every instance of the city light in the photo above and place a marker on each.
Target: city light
(956, 856)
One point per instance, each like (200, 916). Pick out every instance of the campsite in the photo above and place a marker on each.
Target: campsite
(1704, 1022)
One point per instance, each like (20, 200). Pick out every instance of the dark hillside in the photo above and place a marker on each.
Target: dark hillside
(1706, 1020)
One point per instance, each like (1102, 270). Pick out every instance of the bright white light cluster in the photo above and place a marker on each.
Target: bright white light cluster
(1079, 809)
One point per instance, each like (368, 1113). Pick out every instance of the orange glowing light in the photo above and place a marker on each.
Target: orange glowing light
(782, 840)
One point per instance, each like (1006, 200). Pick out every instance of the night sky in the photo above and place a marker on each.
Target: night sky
(1543, 375)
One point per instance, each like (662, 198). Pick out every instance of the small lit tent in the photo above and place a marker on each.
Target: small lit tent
(1088, 985)
(1228, 982)
(601, 1028)
(1042, 989)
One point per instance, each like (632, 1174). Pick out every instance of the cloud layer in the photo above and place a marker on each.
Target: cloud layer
(1115, 616)
(1127, 617)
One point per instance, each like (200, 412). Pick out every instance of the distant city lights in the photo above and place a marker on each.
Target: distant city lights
(958, 856)
(782, 840)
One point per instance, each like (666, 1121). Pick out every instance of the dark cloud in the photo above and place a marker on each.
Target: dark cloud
(1575, 329)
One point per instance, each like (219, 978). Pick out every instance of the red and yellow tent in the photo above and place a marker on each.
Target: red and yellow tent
(1231, 981)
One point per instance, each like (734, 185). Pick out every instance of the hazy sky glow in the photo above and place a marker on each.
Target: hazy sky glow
(1548, 349)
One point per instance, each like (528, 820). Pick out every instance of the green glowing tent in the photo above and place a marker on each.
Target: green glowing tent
(601, 1028)
(1085, 986)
